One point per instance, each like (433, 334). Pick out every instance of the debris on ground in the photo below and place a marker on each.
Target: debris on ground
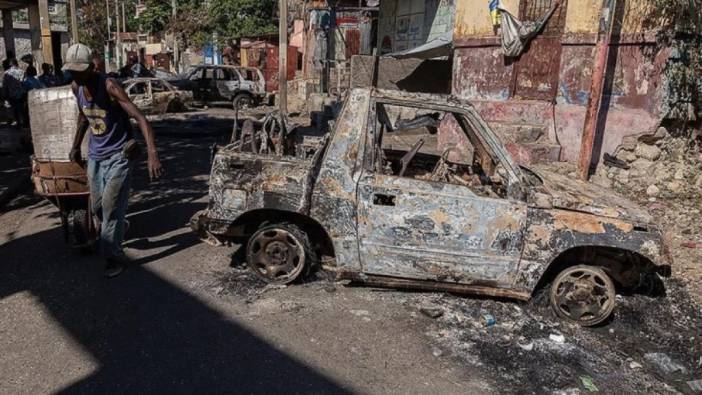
(664, 363)
(432, 312)
(617, 356)
(588, 383)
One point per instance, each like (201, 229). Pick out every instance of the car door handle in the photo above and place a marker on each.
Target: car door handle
(380, 199)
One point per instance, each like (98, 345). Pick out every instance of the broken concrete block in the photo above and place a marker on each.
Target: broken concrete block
(653, 191)
(648, 152)
(664, 363)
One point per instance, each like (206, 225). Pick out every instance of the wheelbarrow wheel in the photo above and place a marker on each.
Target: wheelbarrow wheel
(82, 235)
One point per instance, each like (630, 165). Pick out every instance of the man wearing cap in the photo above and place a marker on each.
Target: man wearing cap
(105, 110)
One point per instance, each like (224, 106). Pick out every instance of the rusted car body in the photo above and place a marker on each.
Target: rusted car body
(156, 96)
(496, 229)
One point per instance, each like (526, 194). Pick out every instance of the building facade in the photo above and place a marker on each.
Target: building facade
(547, 88)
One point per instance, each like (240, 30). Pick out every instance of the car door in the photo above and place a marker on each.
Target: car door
(227, 83)
(140, 94)
(413, 227)
(196, 85)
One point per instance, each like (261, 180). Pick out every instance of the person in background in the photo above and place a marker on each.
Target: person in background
(31, 81)
(13, 91)
(104, 112)
(48, 77)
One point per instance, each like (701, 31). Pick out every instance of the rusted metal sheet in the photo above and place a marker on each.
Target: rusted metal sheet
(536, 71)
(269, 65)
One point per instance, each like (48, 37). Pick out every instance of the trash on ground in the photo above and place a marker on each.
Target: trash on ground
(588, 383)
(664, 363)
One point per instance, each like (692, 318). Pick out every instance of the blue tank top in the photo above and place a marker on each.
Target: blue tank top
(109, 125)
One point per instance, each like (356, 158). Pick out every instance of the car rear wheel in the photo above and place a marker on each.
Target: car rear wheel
(279, 253)
(242, 100)
(583, 294)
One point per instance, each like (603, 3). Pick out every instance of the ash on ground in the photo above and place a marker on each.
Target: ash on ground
(651, 345)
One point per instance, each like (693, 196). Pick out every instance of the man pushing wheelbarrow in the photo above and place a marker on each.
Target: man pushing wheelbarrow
(104, 111)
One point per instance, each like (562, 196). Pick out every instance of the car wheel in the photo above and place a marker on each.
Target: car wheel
(279, 253)
(242, 100)
(174, 106)
(583, 294)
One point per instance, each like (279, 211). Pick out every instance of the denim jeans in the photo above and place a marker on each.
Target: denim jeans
(110, 181)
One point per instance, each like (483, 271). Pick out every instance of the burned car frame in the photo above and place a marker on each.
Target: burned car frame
(155, 96)
(416, 218)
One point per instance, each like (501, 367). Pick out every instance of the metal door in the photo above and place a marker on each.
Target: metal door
(536, 72)
(425, 230)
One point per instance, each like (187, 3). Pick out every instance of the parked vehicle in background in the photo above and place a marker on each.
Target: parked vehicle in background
(224, 85)
(163, 74)
(156, 96)
(380, 200)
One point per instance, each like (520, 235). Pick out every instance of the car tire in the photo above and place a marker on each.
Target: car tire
(583, 294)
(174, 106)
(280, 253)
(242, 100)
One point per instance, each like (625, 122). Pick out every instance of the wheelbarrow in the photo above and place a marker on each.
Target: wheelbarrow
(53, 116)
(65, 184)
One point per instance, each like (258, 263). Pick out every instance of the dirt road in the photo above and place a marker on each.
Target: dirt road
(186, 317)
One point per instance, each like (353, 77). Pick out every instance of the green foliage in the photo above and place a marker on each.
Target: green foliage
(234, 19)
(156, 16)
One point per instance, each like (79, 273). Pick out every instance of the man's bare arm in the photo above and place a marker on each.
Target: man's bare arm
(82, 128)
(117, 93)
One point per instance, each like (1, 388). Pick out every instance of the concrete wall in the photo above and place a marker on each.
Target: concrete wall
(23, 44)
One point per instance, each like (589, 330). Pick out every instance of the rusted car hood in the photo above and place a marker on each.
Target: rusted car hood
(572, 194)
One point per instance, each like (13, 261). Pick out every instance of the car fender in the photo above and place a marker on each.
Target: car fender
(552, 232)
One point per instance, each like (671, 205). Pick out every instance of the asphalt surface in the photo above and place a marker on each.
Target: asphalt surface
(178, 320)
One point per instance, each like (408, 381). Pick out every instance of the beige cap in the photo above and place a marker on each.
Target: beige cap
(78, 58)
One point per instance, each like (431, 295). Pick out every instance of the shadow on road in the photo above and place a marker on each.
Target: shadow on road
(146, 333)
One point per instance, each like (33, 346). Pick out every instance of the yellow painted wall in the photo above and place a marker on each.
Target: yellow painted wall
(473, 17)
(583, 16)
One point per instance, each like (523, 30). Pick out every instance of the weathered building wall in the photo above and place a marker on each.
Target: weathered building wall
(517, 91)
(407, 24)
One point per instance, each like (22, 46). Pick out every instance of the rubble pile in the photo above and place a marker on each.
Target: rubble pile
(664, 174)
(655, 167)
(652, 344)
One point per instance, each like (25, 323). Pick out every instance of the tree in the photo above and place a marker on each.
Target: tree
(93, 24)
(155, 16)
(234, 19)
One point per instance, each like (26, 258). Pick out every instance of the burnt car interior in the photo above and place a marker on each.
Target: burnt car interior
(410, 143)
(138, 88)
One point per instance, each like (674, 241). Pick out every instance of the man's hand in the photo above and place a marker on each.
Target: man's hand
(154, 164)
(75, 155)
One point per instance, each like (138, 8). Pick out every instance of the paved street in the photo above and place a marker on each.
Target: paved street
(177, 321)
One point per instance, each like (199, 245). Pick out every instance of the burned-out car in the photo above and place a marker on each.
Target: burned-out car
(224, 85)
(156, 96)
(383, 199)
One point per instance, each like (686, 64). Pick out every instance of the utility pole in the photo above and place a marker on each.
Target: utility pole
(74, 21)
(176, 53)
(124, 19)
(599, 73)
(118, 47)
(283, 58)
(109, 30)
